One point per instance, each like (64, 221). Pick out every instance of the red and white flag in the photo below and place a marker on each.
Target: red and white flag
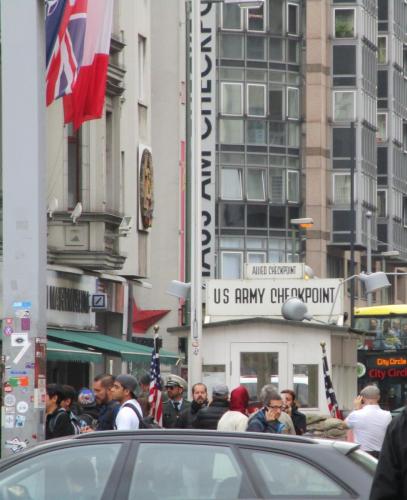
(154, 398)
(86, 100)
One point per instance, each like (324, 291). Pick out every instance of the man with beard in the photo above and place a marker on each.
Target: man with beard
(199, 400)
(108, 407)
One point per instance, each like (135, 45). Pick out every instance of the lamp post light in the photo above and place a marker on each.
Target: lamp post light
(303, 223)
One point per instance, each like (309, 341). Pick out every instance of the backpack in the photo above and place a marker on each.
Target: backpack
(75, 422)
(144, 422)
(72, 417)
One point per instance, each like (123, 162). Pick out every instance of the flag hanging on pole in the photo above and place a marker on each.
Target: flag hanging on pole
(329, 390)
(154, 397)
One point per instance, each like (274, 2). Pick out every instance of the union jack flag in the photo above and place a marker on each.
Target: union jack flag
(154, 397)
(65, 27)
(329, 390)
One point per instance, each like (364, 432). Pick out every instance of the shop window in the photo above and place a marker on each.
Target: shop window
(256, 257)
(382, 49)
(276, 49)
(232, 99)
(382, 203)
(231, 47)
(257, 132)
(277, 134)
(344, 105)
(381, 134)
(292, 19)
(232, 18)
(276, 104)
(256, 48)
(231, 184)
(293, 103)
(341, 189)
(255, 184)
(232, 265)
(256, 19)
(344, 22)
(293, 186)
(276, 185)
(231, 131)
(305, 384)
(276, 16)
(256, 100)
(74, 166)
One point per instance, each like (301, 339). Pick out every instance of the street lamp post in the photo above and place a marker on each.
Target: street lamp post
(369, 250)
(303, 223)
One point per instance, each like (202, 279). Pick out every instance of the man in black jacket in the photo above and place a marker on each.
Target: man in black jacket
(290, 407)
(199, 400)
(208, 417)
(390, 481)
(108, 407)
(58, 423)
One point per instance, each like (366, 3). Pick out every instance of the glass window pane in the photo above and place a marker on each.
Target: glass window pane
(276, 49)
(293, 186)
(257, 216)
(231, 183)
(231, 265)
(232, 215)
(381, 203)
(256, 48)
(381, 134)
(307, 482)
(344, 60)
(293, 103)
(277, 161)
(342, 189)
(232, 102)
(344, 23)
(382, 84)
(231, 131)
(256, 132)
(342, 142)
(256, 100)
(292, 51)
(305, 385)
(292, 19)
(190, 471)
(277, 220)
(231, 47)
(276, 185)
(255, 184)
(382, 49)
(232, 17)
(294, 135)
(344, 106)
(276, 16)
(255, 19)
(256, 257)
(276, 104)
(258, 369)
(231, 242)
(277, 134)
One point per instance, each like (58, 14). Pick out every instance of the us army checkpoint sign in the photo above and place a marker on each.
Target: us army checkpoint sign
(265, 297)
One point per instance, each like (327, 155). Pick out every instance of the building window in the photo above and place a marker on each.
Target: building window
(292, 51)
(344, 105)
(404, 211)
(305, 384)
(344, 60)
(256, 257)
(231, 184)
(231, 47)
(256, 48)
(257, 132)
(141, 66)
(276, 185)
(232, 18)
(256, 19)
(293, 186)
(276, 104)
(231, 131)
(344, 22)
(74, 166)
(232, 99)
(255, 185)
(293, 135)
(292, 19)
(232, 265)
(382, 49)
(276, 52)
(405, 137)
(256, 100)
(381, 134)
(382, 203)
(293, 103)
(341, 189)
(276, 17)
(277, 134)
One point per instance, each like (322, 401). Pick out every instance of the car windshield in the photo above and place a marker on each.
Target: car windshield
(368, 462)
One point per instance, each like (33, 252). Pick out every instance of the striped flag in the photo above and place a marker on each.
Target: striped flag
(154, 397)
(329, 390)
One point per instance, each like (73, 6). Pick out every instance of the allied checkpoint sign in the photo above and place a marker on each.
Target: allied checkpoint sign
(271, 270)
(266, 297)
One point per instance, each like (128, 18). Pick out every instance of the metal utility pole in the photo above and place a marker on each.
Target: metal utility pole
(369, 250)
(351, 270)
(24, 223)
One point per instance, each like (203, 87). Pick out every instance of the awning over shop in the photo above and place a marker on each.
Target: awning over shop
(62, 352)
(128, 351)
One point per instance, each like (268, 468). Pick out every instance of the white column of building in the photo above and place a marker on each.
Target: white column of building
(24, 223)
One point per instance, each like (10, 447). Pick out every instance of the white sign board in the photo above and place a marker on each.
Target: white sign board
(265, 298)
(274, 271)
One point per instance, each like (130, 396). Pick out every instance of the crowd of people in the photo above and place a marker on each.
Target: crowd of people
(121, 403)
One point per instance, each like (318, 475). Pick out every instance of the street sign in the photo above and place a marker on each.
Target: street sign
(98, 301)
(272, 270)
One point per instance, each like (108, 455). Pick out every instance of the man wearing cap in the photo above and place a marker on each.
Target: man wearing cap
(123, 391)
(176, 403)
(369, 422)
(208, 417)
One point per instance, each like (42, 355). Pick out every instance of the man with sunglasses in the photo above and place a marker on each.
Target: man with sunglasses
(267, 419)
(176, 403)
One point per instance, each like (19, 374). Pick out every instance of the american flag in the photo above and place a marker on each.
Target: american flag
(154, 397)
(65, 27)
(329, 390)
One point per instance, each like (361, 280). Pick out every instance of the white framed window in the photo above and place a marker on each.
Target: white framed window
(231, 98)
(341, 189)
(344, 23)
(381, 134)
(142, 42)
(277, 185)
(255, 185)
(256, 19)
(397, 204)
(232, 265)
(232, 17)
(292, 19)
(256, 257)
(293, 186)
(293, 103)
(382, 202)
(344, 105)
(256, 99)
(231, 184)
(382, 49)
